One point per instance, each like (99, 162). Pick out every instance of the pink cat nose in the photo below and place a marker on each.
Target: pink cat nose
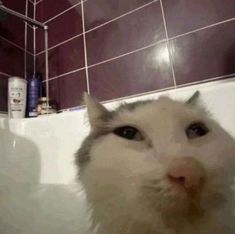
(187, 172)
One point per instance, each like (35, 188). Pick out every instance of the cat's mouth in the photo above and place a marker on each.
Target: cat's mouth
(170, 197)
(192, 189)
(178, 186)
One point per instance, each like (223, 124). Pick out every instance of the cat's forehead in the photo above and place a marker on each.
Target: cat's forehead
(163, 107)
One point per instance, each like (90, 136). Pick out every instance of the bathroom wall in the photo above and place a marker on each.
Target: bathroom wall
(119, 48)
(16, 46)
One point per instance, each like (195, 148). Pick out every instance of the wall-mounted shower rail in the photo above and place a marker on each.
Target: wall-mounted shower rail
(23, 17)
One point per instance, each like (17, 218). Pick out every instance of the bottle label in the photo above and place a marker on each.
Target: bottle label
(16, 98)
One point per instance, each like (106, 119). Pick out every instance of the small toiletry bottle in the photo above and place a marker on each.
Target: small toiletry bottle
(34, 93)
(46, 106)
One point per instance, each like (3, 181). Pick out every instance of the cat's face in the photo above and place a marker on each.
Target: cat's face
(162, 155)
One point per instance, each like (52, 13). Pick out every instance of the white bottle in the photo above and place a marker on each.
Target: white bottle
(17, 92)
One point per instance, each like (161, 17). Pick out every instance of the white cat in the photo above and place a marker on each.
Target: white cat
(157, 167)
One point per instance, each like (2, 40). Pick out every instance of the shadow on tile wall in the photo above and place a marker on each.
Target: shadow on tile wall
(117, 48)
(13, 48)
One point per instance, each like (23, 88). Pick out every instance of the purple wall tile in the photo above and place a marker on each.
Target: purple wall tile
(64, 58)
(30, 9)
(186, 15)
(132, 32)
(100, 11)
(13, 62)
(40, 64)
(67, 91)
(62, 28)
(18, 5)
(12, 29)
(139, 72)
(30, 65)
(196, 57)
(40, 40)
(3, 92)
(47, 9)
(205, 54)
(30, 39)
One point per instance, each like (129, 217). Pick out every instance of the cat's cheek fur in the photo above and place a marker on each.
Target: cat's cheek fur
(124, 162)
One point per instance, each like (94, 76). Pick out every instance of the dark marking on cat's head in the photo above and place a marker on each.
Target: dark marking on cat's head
(83, 154)
(101, 129)
(84, 150)
(193, 99)
(132, 106)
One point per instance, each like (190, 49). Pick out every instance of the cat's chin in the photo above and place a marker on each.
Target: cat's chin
(176, 205)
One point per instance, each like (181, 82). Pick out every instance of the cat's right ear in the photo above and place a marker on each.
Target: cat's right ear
(194, 102)
(97, 113)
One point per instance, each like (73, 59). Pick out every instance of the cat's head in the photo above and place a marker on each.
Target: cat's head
(163, 155)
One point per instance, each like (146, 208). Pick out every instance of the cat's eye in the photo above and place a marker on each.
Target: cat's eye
(129, 133)
(196, 130)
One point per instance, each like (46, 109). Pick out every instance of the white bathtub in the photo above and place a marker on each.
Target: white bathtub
(39, 193)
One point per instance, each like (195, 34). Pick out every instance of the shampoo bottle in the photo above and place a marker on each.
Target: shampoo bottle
(34, 94)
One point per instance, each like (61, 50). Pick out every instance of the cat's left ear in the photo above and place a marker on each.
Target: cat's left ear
(97, 113)
(193, 99)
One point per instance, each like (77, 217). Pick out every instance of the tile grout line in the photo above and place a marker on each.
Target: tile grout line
(46, 57)
(37, 2)
(128, 53)
(34, 39)
(61, 13)
(17, 46)
(73, 108)
(169, 38)
(202, 28)
(168, 45)
(65, 74)
(85, 48)
(113, 58)
(121, 16)
(121, 98)
(5, 74)
(34, 14)
(207, 80)
(30, 26)
(61, 43)
(25, 40)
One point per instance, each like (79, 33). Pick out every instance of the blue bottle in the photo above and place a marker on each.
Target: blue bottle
(34, 93)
